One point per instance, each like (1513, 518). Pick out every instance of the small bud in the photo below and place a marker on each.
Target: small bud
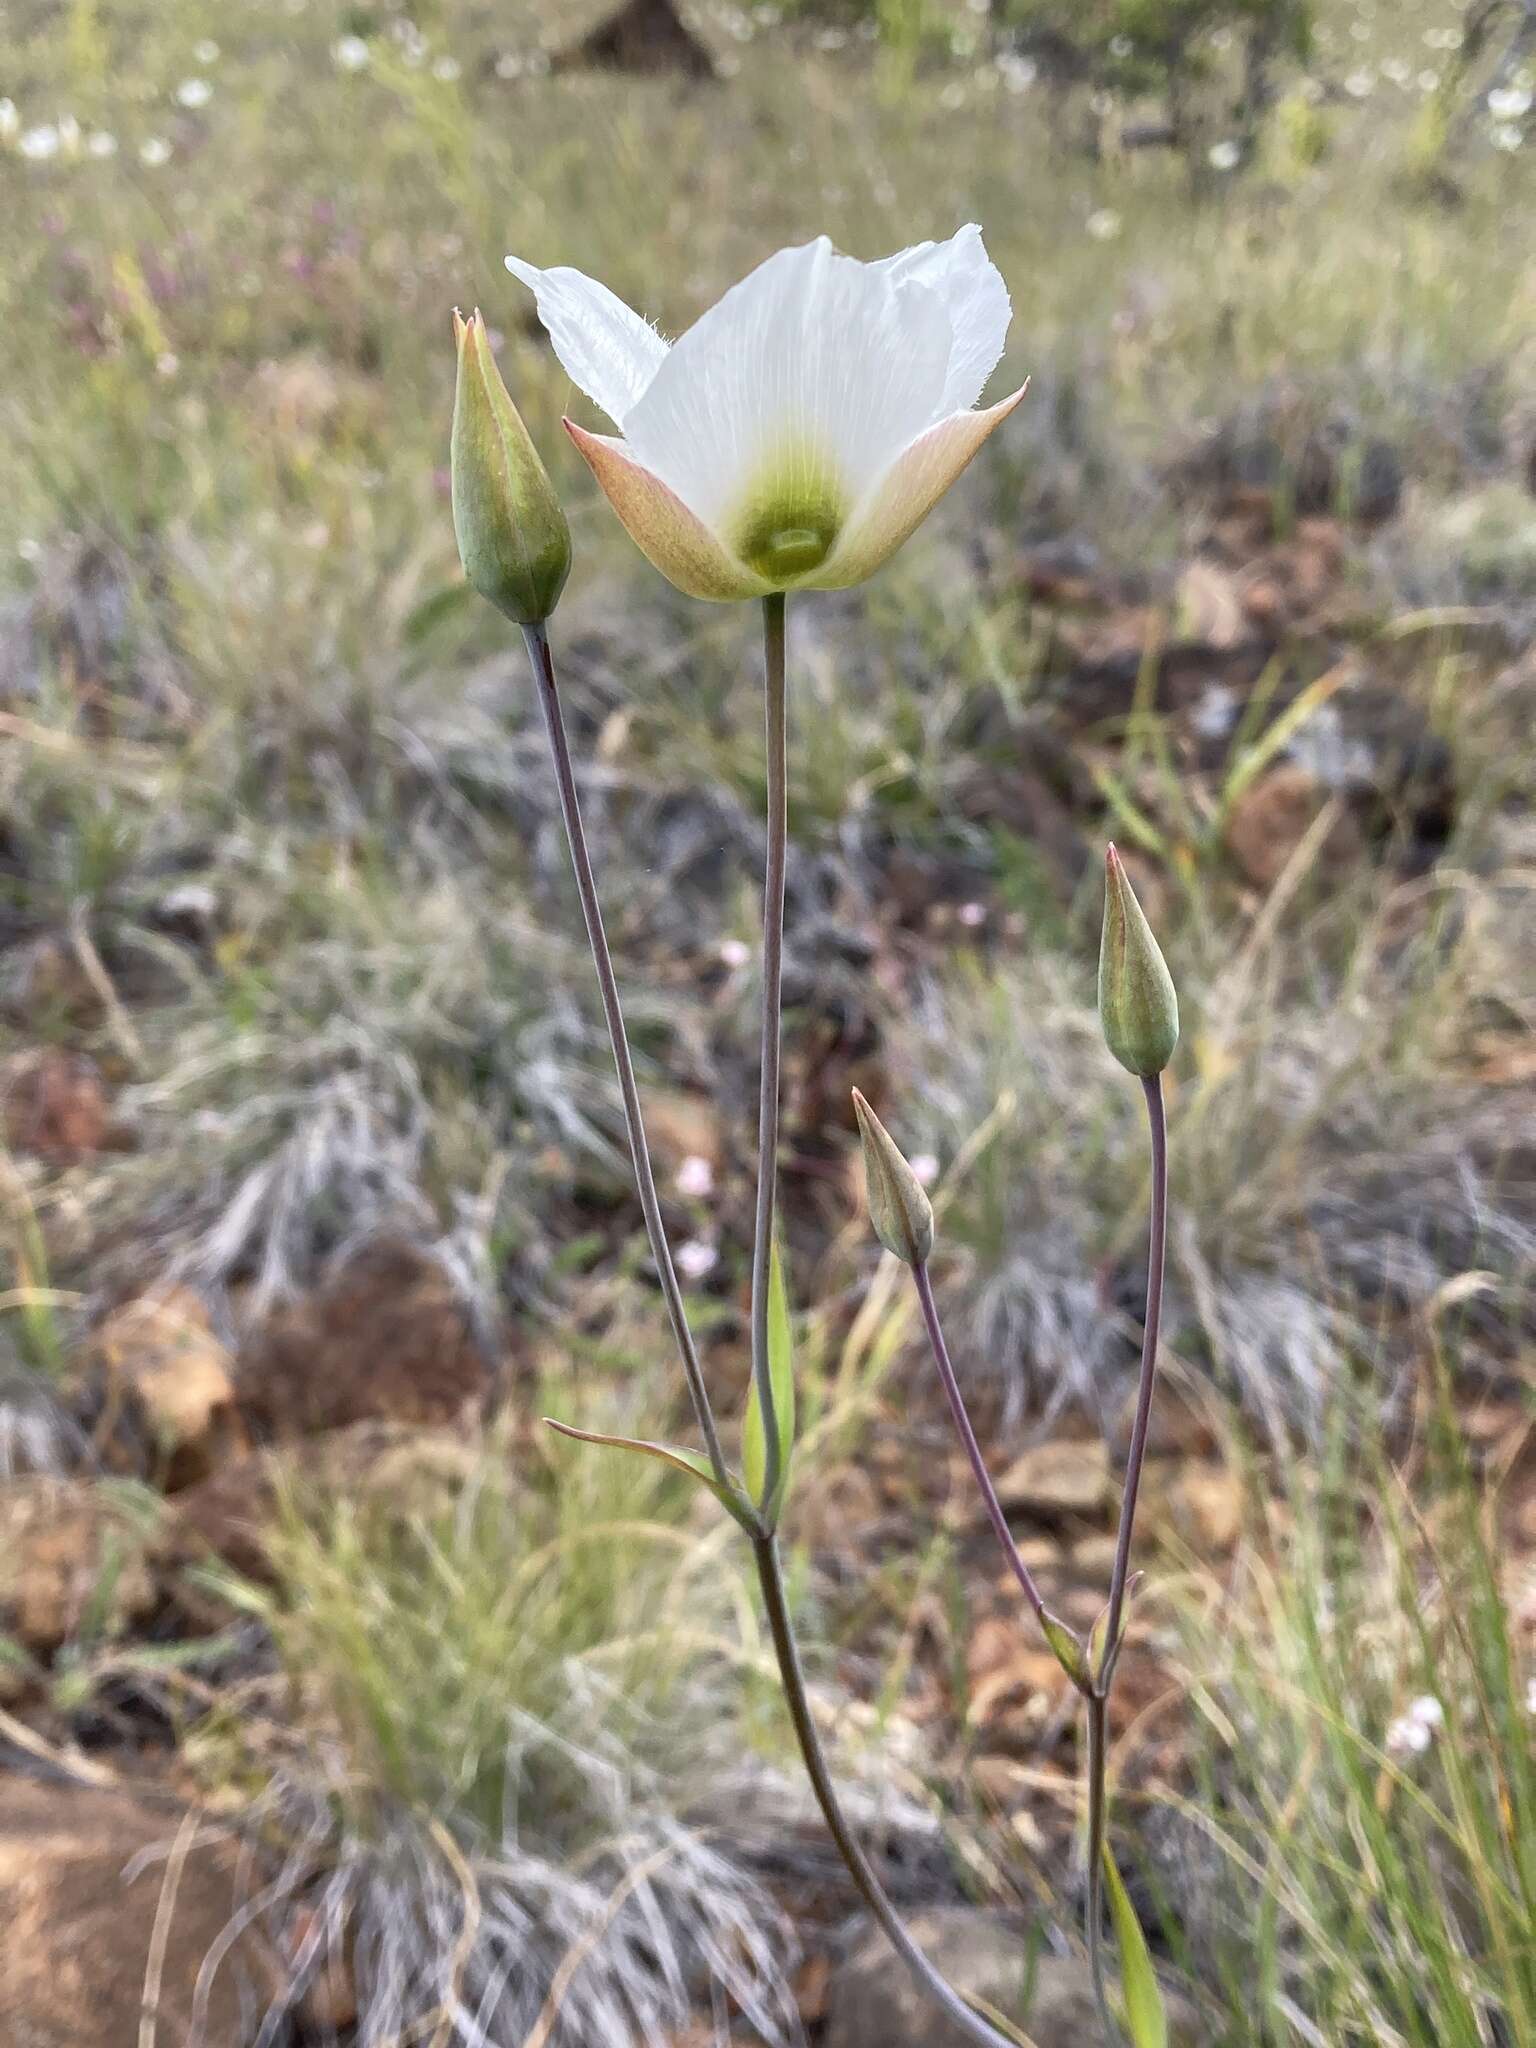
(1138, 1006)
(513, 539)
(898, 1208)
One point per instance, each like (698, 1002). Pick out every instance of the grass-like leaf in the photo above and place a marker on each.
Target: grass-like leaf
(781, 1374)
(1144, 2014)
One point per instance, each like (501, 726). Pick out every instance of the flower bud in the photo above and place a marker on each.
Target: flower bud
(513, 539)
(1138, 1006)
(898, 1208)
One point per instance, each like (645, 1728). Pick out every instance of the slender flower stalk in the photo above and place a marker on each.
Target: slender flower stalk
(645, 1180)
(776, 728)
(967, 1435)
(1103, 1678)
(1157, 1125)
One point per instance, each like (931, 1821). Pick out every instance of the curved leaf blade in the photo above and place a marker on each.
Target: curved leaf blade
(693, 1463)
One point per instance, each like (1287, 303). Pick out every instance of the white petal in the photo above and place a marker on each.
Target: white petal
(972, 288)
(810, 377)
(607, 351)
(898, 503)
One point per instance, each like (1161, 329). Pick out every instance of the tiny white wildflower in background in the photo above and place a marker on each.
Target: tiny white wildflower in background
(1221, 39)
(1429, 81)
(1103, 225)
(207, 51)
(154, 151)
(101, 144)
(39, 144)
(952, 98)
(695, 1177)
(194, 93)
(1017, 73)
(1507, 136)
(1530, 1697)
(972, 915)
(1412, 1732)
(69, 134)
(30, 550)
(447, 69)
(167, 365)
(925, 1168)
(696, 1259)
(1225, 155)
(1120, 46)
(1510, 102)
(735, 953)
(1360, 84)
(10, 120)
(350, 53)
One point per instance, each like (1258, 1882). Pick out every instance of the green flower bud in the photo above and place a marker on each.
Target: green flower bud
(1138, 1006)
(513, 539)
(898, 1208)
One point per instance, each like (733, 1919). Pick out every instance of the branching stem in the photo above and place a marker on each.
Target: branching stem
(591, 911)
(937, 1988)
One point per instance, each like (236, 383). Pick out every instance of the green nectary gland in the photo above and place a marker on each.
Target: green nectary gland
(789, 526)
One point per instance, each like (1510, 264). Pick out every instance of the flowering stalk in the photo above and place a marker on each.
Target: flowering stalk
(776, 724)
(634, 1123)
(1139, 1011)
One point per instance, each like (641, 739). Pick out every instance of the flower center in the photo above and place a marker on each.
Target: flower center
(790, 519)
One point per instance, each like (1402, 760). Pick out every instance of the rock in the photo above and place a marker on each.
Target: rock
(69, 1547)
(648, 37)
(1058, 1478)
(80, 1928)
(1272, 817)
(388, 1335)
(1010, 1675)
(161, 1351)
(374, 1465)
(55, 1104)
(1205, 1505)
(874, 2003)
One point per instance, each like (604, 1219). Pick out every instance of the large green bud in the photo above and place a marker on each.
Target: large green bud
(1138, 1006)
(513, 538)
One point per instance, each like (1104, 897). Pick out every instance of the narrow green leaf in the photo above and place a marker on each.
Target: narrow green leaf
(692, 1462)
(1144, 2013)
(781, 1377)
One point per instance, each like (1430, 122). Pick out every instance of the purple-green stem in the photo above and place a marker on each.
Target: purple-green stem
(634, 1123)
(1097, 1688)
(764, 1542)
(962, 1421)
(776, 735)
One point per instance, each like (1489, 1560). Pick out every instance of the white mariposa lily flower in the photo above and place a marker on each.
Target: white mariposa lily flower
(803, 427)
